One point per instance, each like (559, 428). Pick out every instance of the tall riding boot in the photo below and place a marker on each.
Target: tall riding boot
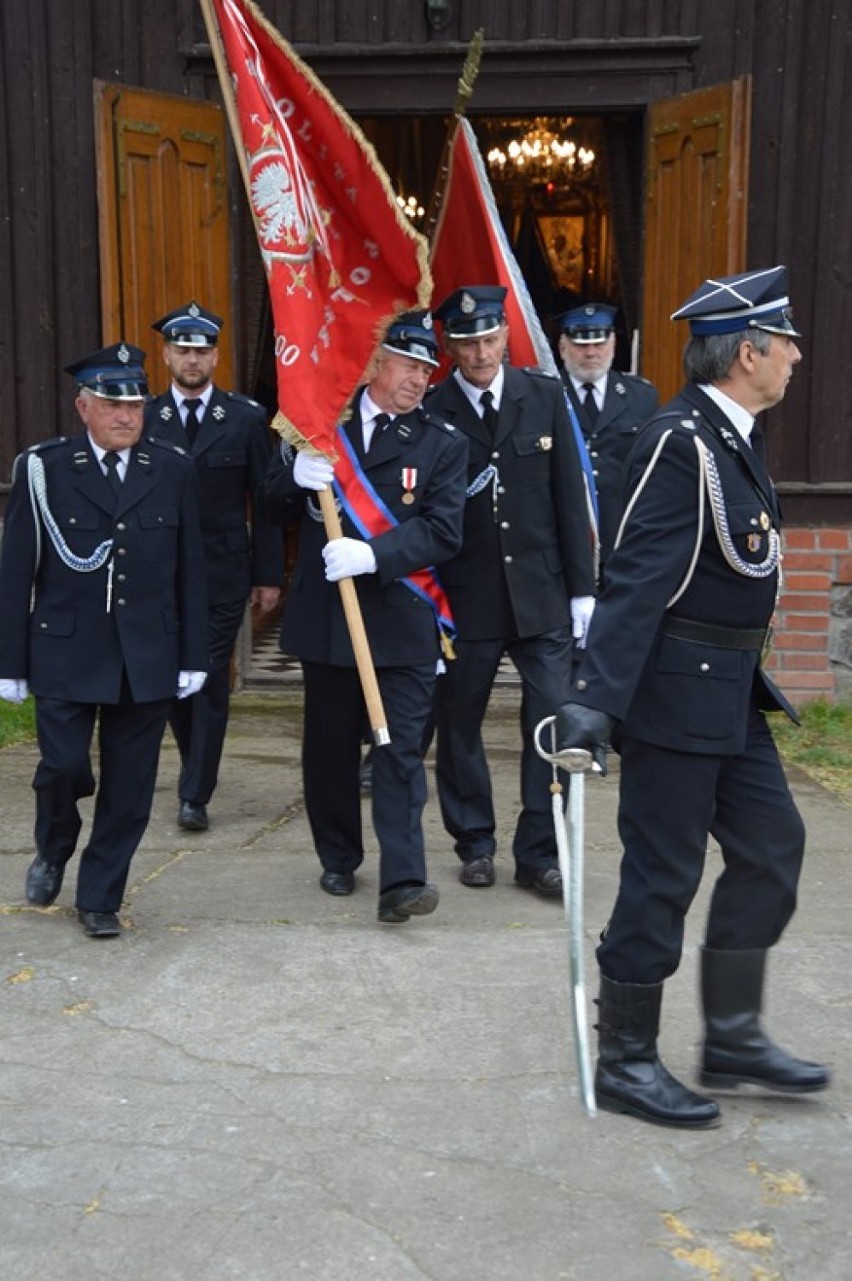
(736, 1049)
(630, 1077)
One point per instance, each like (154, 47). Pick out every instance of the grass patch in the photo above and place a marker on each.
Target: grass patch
(17, 722)
(822, 746)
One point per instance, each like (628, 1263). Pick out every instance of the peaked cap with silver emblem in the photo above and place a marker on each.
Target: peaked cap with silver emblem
(190, 326)
(472, 312)
(114, 373)
(751, 300)
(591, 323)
(412, 334)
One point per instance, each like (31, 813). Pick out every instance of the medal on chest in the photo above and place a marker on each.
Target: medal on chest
(409, 484)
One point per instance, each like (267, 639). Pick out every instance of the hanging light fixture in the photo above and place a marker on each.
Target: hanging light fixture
(411, 207)
(540, 154)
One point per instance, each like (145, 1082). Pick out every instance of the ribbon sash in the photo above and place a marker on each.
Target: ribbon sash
(371, 517)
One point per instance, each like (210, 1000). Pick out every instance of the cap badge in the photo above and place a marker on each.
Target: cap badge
(193, 309)
(467, 304)
(427, 321)
(123, 354)
(589, 309)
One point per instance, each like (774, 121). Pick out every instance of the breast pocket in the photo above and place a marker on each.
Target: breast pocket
(158, 528)
(749, 525)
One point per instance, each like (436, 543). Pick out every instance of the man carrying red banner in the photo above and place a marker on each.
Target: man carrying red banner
(400, 481)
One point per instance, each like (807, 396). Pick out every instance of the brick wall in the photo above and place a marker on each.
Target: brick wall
(812, 649)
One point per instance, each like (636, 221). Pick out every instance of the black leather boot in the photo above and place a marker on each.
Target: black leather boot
(630, 1077)
(736, 1049)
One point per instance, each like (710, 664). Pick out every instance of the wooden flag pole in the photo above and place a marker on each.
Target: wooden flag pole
(331, 519)
(464, 92)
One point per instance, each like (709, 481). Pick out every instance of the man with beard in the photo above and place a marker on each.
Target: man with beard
(227, 437)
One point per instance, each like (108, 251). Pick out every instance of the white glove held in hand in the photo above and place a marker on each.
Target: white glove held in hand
(346, 557)
(312, 471)
(582, 608)
(190, 683)
(13, 691)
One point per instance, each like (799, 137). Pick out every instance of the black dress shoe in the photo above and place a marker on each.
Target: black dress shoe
(478, 873)
(192, 817)
(337, 882)
(546, 880)
(44, 881)
(99, 925)
(402, 901)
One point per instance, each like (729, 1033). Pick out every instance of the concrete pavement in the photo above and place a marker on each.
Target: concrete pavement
(258, 1081)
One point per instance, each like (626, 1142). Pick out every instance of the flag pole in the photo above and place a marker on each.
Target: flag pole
(331, 519)
(464, 92)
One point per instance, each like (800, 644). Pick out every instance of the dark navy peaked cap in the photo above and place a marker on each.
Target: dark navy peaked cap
(190, 326)
(473, 311)
(116, 372)
(751, 300)
(412, 334)
(593, 322)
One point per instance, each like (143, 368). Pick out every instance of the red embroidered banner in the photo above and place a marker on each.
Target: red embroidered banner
(470, 247)
(341, 258)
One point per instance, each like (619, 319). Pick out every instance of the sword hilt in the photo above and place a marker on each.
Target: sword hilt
(574, 760)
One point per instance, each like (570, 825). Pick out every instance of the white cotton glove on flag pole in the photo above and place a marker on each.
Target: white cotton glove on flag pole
(13, 691)
(190, 683)
(312, 471)
(347, 557)
(582, 608)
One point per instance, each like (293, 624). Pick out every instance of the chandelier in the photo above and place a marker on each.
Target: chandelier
(541, 155)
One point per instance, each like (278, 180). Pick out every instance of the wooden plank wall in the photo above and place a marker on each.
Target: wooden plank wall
(590, 56)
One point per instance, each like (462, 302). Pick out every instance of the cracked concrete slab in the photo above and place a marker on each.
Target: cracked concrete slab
(258, 1081)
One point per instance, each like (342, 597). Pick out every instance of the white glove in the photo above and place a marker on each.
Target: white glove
(312, 471)
(346, 557)
(13, 691)
(190, 683)
(582, 608)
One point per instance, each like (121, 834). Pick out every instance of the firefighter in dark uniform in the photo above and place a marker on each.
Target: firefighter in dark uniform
(610, 406)
(400, 481)
(104, 616)
(673, 663)
(521, 585)
(228, 438)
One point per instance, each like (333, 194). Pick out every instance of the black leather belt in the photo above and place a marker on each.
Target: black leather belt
(709, 634)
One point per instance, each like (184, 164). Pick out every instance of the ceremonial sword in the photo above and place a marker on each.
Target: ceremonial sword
(569, 844)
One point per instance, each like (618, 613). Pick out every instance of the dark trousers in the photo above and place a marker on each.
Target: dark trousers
(331, 756)
(199, 723)
(463, 777)
(129, 739)
(669, 802)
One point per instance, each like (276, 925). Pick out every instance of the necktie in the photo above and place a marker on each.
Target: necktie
(757, 440)
(589, 403)
(111, 461)
(380, 422)
(489, 413)
(192, 420)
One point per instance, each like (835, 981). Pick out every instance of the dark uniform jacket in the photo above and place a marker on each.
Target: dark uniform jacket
(231, 454)
(400, 626)
(628, 404)
(673, 692)
(148, 614)
(526, 548)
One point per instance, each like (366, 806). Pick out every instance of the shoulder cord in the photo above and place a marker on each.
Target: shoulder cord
(39, 503)
(708, 479)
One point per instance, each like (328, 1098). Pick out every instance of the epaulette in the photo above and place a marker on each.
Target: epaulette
(438, 422)
(46, 444)
(168, 445)
(537, 372)
(244, 400)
